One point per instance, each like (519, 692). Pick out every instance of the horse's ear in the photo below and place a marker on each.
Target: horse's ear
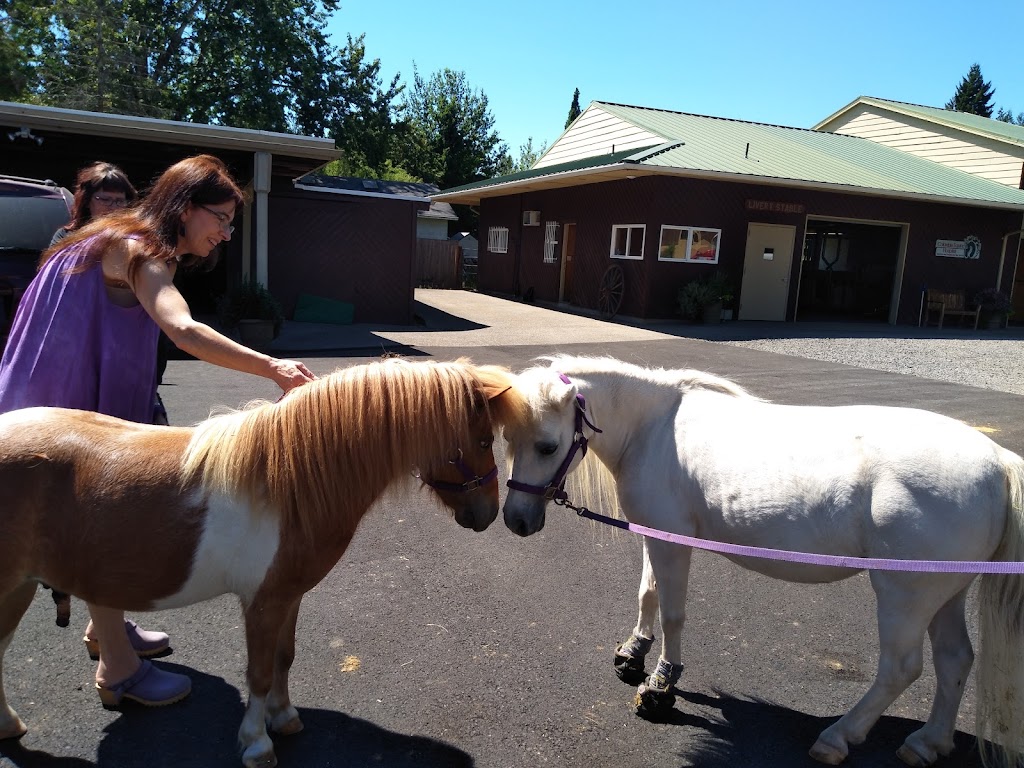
(492, 391)
(494, 381)
(562, 392)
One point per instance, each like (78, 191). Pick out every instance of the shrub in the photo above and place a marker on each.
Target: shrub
(991, 300)
(694, 297)
(251, 301)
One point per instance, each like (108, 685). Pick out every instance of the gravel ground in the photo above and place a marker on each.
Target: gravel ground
(988, 363)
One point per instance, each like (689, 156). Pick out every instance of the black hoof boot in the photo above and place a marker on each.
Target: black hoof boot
(629, 659)
(655, 698)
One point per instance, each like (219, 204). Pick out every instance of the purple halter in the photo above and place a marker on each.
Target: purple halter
(473, 481)
(555, 489)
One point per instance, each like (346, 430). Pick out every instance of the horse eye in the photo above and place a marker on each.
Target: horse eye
(546, 449)
(485, 444)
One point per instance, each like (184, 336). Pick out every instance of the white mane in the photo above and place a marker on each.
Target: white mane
(591, 484)
(683, 379)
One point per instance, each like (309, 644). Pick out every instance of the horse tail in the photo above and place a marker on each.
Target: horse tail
(1000, 681)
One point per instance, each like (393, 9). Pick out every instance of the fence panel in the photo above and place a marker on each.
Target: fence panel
(438, 264)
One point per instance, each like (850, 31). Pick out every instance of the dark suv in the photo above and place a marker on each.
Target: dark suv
(30, 212)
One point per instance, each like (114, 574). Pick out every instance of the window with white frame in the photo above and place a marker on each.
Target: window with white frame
(497, 239)
(550, 241)
(627, 241)
(704, 245)
(689, 244)
(675, 243)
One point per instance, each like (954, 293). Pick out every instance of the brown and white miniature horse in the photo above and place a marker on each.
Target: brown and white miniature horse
(260, 503)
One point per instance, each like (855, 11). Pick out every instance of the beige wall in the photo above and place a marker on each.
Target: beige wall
(974, 154)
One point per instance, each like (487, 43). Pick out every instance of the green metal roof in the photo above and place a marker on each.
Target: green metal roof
(584, 164)
(976, 124)
(712, 147)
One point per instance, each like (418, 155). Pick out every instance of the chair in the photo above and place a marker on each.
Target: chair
(951, 303)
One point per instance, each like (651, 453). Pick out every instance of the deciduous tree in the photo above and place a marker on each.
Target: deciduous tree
(451, 138)
(266, 64)
(528, 155)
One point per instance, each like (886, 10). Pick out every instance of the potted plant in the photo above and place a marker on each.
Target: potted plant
(702, 300)
(994, 307)
(253, 310)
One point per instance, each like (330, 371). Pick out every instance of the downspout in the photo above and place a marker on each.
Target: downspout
(261, 186)
(518, 261)
(1002, 255)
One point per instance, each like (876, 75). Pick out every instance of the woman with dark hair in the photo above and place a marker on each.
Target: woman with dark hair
(85, 337)
(100, 188)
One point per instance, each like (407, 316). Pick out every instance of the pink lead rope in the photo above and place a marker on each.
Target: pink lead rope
(834, 561)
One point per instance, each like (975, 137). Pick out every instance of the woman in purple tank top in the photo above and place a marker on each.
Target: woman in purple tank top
(85, 336)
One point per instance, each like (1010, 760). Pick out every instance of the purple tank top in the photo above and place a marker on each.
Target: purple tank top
(71, 347)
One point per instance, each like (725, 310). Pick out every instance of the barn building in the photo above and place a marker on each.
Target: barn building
(631, 203)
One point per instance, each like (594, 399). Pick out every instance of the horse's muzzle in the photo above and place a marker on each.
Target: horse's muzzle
(524, 523)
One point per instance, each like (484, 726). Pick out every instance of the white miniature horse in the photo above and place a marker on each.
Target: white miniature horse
(694, 454)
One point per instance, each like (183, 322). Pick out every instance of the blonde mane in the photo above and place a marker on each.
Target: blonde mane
(329, 448)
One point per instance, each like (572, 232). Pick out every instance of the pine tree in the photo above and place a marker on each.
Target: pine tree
(574, 110)
(1006, 116)
(973, 95)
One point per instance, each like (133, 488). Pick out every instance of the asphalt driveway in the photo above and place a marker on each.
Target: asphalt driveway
(429, 645)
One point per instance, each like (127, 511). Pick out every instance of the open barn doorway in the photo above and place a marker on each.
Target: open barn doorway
(848, 271)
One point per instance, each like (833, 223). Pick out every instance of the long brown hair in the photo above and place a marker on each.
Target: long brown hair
(98, 177)
(156, 221)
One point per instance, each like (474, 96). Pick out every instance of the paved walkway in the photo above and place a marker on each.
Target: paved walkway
(464, 318)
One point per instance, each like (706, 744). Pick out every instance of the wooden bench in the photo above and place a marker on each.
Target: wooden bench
(952, 303)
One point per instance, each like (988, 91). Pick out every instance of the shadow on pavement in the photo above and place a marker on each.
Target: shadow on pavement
(201, 732)
(741, 731)
(430, 318)
(13, 754)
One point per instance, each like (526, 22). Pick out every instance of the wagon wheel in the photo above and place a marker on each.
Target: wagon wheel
(609, 297)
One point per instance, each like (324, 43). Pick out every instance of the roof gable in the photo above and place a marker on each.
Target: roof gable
(597, 131)
(962, 121)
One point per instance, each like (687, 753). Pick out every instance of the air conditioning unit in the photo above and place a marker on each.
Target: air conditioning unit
(531, 218)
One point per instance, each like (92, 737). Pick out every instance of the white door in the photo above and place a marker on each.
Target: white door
(767, 265)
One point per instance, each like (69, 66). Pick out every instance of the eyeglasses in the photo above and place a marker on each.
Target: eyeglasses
(110, 202)
(222, 218)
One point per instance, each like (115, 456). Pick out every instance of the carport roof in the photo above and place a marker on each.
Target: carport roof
(304, 152)
(698, 146)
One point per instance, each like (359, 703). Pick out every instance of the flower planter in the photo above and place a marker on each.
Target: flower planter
(712, 313)
(257, 334)
(991, 319)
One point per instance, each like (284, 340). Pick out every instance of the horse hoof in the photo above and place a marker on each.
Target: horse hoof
(289, 727)
(912, 758)
(266, 760)
(259, 753)
(629, 669)
(12, 726)
(13, 729)
(826, 753)
(652, 703)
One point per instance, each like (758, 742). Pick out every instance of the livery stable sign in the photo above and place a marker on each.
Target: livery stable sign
(968, 248)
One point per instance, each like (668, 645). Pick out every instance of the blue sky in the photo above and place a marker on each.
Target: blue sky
(789, 63)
